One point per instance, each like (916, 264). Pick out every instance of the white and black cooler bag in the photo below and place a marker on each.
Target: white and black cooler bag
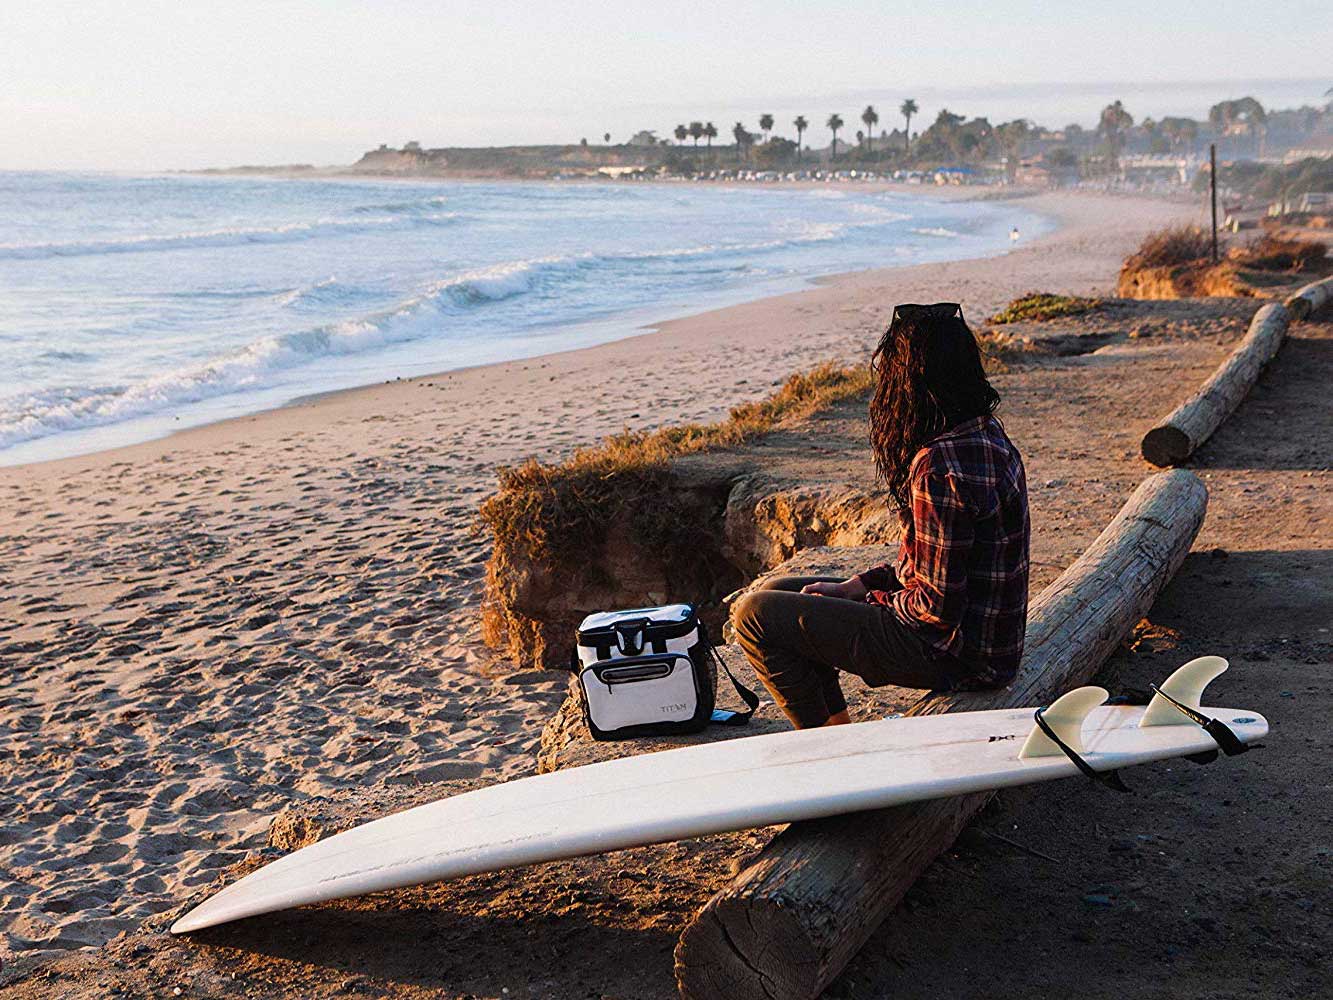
(644, 672)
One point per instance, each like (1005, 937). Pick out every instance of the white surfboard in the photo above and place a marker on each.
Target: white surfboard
(732, 785)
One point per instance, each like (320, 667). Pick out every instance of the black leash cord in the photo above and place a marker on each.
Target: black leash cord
(1228, 741)
(1111, 779)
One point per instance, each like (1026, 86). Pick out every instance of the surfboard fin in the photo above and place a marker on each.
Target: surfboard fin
(1185, 686)
(1065, 717)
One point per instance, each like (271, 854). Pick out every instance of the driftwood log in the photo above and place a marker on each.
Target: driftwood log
(1310, 299)
(1192, 422)
(794, 917)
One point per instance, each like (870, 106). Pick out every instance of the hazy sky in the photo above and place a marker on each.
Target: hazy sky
(180, 83)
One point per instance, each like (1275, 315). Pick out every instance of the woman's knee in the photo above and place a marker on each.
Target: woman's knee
(744, 613)
(751, 612)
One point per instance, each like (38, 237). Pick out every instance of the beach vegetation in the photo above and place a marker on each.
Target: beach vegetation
(955, 138)
(1272, 180)
(776, 152)
(1177, 263)
(1245, 115)
(1037, 306)
(834, 123)
(1114, 122)
(800, 124)
(1010, 138)
(1171, 246)
(1062, 157)
(744, 140)
(871, 118)
(1179, 132)
(907, 109)
(1272, 253)
(552, 514)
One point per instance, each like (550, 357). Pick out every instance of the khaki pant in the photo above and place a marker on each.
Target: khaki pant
(798, 642)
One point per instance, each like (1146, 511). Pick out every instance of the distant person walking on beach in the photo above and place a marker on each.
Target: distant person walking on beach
(951, 612)
(1013, 236)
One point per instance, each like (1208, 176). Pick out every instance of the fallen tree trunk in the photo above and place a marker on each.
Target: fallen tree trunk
(1191, 423)
(1310, 299)
(794, 917)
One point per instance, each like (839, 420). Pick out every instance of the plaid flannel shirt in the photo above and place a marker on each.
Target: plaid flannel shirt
(961, 579)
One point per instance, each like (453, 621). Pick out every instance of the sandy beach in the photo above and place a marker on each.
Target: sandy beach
(198, 631)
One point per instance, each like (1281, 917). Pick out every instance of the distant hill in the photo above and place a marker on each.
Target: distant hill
(507, 161)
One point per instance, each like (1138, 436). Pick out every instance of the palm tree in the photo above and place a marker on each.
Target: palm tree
(871, 117)
(834, 123)
(908, 108)
(1115, 120)
(743, 139)
(696, 132)
(801, 125)
(682, 133)
(766, 125)
(710, 133)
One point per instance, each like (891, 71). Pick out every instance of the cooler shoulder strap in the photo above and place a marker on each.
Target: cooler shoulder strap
(722, 716)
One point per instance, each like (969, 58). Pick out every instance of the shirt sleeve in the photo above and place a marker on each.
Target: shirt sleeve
(878, 579)
(944, 530)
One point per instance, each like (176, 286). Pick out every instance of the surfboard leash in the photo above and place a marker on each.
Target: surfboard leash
(1111, 779)
(1227, 741)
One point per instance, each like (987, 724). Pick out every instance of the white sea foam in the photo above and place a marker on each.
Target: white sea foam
(503, 281)
(291, 296)
(38, 414)
(34, 415)
(399, 207)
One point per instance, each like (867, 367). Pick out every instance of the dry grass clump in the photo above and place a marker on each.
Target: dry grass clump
(1270, 253)
(1044, 305)
(1176, 263)
(549, 519)
(1171, 246)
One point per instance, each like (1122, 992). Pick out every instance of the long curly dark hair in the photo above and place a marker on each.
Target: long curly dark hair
(929, 378)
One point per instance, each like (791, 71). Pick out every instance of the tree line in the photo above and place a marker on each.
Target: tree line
(744, 139)
(956, 138)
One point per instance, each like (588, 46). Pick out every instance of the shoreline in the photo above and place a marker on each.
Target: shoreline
(155, 426)
(1065, 209)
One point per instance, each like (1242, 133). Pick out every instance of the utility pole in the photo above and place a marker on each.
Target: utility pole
(1212, 188)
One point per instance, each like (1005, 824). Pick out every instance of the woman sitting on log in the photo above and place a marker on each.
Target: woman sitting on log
(951, 612)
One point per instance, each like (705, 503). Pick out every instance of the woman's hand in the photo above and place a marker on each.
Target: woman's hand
(848, 590)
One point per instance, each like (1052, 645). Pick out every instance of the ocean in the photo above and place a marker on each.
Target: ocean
(132, 306)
